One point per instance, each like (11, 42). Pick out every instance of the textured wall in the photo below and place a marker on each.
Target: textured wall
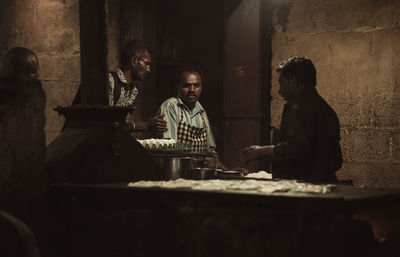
(51, 29)
(355, 46)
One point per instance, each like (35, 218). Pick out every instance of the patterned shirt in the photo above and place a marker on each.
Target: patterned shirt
(128, 92)
(171, 108)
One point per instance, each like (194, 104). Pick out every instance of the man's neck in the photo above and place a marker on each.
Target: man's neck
(130, 76)
(190, 105)
(127, 74)
(301, 93)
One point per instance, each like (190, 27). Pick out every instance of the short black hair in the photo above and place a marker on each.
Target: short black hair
(301, 68)
(20, 61)
(132, 48)
(189, 69)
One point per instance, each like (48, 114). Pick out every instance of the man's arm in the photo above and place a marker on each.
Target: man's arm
(298, 135)
(169, 113)
(156, 123)
(256, 152)
(299, 128)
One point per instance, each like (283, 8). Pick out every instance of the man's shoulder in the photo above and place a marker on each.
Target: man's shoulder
(310, 101)
(172, 101)
(200, 107)
(117, 74)
(323, 105)
(319, 107)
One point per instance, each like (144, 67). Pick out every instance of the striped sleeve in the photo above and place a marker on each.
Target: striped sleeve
(169, 110)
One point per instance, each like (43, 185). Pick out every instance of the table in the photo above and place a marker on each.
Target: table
(114, 220)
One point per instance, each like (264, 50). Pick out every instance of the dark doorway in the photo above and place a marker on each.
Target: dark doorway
(224, 38)
(191, 32)
(247, 78)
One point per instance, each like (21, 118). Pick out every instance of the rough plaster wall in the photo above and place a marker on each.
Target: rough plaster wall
(51, 29)
(355, 46)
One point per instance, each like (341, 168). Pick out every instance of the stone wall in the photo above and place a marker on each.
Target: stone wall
(51, 29)
(355, 46)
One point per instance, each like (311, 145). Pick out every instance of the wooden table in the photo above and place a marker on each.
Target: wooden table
(116, 220)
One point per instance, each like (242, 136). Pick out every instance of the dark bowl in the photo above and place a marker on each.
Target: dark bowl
(199, 173)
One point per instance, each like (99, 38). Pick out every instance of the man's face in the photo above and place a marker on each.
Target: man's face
(287, 87)
(141, 65)
(190, 87)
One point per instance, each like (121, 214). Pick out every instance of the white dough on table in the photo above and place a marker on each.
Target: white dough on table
(239, 185)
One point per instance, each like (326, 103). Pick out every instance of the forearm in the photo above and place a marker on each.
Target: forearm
(267, 151)
(257, 152)
(291, 149)
(171, 127)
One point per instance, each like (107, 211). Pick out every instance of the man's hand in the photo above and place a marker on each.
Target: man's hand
(256, 152)
(157, 123)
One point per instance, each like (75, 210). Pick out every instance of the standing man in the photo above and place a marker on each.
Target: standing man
(135, 61)
(306, 145)
(22, 154)
(187, 121)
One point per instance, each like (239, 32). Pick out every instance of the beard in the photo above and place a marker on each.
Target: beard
(135, 76)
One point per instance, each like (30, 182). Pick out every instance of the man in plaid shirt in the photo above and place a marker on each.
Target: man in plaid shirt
(187, 121)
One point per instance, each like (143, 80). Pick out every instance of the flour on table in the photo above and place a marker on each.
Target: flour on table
(250, 185)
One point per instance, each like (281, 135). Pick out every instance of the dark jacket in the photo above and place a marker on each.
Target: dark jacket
(307, 142)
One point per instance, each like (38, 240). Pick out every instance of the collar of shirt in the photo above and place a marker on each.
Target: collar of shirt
(197, 108)
(121, 76)
(125, 84)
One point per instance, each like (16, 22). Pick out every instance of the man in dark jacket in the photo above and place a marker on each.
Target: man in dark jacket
(306, 145)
